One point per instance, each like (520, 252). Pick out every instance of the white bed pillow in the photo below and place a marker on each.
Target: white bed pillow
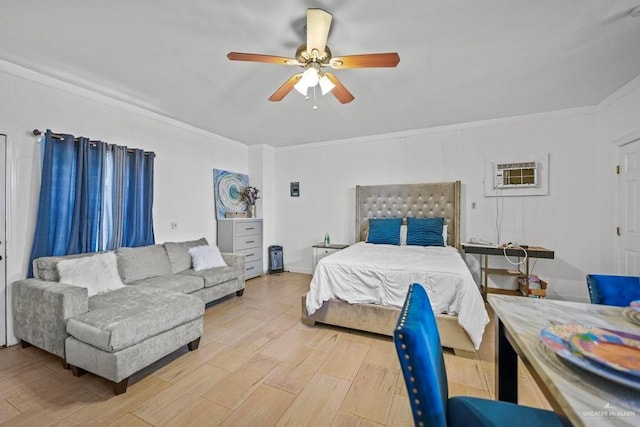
(204, 257)
(403, 234)
(98, 273)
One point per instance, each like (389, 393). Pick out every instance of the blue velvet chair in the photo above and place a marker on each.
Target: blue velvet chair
(613, 290)
(418, 345)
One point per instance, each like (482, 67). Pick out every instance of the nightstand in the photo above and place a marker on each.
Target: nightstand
(321, 250)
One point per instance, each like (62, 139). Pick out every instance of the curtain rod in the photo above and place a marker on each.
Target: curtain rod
(37, 132)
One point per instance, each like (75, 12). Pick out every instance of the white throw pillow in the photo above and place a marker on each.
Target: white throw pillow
(98, 273)
(204, 257)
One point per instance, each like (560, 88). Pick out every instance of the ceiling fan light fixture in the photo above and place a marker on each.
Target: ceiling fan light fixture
(311, 76)
(301, 87)
(309, 79)
(326, 85)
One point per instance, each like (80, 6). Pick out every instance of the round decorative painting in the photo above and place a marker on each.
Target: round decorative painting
(227, 186)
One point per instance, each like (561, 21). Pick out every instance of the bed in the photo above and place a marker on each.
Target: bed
(345, 290)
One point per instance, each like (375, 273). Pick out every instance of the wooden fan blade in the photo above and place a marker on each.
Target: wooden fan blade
(365, 61)
(285, 88)
(318, 25)
(340, 92)
(254, 57)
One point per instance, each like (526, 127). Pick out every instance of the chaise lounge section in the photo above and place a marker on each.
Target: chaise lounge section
(128, 329)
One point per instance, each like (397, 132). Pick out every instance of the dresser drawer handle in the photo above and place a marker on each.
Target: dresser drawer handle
(249, 228)
(248, 255)
(250, 241)
(250, 268)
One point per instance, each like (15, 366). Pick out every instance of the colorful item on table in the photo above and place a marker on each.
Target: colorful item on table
(558, 338)
(610, 350)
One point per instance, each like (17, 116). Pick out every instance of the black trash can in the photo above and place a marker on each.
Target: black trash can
(276, 261)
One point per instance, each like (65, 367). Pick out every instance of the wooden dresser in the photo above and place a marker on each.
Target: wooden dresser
(243, 236)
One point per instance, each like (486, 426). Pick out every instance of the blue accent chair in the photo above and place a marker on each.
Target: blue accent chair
(613, 290)
(418, 345)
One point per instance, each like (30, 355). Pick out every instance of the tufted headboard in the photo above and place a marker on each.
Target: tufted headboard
(431, 200)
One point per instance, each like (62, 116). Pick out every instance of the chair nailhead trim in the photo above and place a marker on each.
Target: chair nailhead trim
(403, 346)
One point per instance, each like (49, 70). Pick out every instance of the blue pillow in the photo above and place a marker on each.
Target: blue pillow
(384, 231)
(425, 231)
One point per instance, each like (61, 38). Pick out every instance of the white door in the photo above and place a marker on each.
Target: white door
(3, 252)
(629, 188)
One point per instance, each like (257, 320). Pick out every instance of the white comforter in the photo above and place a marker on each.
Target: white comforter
(381, 274)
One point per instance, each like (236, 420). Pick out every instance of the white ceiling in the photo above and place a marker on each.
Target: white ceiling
(460, 60)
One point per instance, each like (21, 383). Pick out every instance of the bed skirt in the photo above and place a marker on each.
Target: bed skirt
(382, 320)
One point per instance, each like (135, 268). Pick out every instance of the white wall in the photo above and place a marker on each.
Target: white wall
(186, 157)
(565, 220)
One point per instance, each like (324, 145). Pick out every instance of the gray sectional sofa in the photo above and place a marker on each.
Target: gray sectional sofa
(116, 333)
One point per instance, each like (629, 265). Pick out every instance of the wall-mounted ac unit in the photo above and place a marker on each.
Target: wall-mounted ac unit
(515, 175)
(504, 177)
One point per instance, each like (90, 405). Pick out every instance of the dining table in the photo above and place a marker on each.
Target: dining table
(580, 390)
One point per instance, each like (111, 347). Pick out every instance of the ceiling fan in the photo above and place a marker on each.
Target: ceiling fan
(314, 56)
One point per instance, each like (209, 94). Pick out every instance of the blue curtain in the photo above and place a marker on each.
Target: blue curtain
(86, 218)
(93, 196)
(138, 200)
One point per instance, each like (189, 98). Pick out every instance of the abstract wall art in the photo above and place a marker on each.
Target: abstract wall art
(227, 186)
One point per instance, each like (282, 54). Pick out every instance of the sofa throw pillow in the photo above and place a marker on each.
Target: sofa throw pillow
(425, 231)
(98, 273)
(384, 231)
(204, 257)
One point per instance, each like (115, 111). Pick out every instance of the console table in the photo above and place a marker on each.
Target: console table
(532, 252)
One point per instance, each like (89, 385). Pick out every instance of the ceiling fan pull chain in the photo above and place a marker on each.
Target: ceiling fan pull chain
(315, 107)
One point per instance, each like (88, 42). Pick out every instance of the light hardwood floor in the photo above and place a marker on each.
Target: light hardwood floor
(257, 365)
